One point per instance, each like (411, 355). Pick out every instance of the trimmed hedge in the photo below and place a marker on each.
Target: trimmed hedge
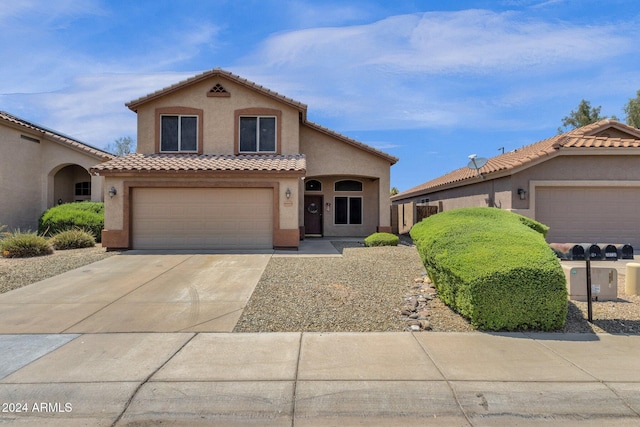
(382, 239)
(494, 267)
(22, 245)
(88, 216)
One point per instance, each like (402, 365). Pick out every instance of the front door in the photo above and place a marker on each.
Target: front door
(313, 215)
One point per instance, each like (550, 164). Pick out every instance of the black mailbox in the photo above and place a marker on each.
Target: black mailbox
(592, 251)
(568, 251)
(610, 252)
(577, 252)
(625, 251)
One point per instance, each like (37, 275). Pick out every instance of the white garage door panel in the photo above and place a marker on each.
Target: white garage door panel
(202, 218)
(590, 215)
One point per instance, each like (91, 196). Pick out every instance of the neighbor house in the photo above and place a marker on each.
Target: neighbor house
(223, 163)
(41, 168)
(584, 184)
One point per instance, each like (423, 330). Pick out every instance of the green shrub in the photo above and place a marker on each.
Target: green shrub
(382, 239)
(24, 244)
(493, 267)
(72, 239)
(87, 216)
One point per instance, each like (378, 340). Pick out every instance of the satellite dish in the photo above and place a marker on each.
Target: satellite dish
(476, 162)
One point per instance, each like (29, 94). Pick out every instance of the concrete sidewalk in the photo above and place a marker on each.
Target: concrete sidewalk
(320, 379)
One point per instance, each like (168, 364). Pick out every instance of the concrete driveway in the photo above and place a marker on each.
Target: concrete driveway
(138, 292)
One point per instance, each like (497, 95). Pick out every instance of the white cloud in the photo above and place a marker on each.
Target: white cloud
(93, 109)
(430, 69)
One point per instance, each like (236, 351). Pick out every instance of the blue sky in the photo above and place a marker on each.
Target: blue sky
(427, 81)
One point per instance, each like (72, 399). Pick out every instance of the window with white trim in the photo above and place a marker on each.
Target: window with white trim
(178, 133)
(348, 210)
(258, 134)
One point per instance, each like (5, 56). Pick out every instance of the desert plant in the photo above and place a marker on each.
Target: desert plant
(382, 239)
(24, 244)
(72, 239)
(87, 216)
(493, 267)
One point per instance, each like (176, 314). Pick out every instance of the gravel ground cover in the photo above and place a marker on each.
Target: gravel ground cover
(18, 272)
(364, 291)
(368, 288)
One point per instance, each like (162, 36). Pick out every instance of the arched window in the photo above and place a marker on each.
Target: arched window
(313, 185)
(348, 185)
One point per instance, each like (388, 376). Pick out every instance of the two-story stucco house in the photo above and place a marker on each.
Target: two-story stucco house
(223, 163)
(41, 168)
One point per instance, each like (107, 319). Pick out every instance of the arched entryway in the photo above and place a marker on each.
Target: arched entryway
(71, 183)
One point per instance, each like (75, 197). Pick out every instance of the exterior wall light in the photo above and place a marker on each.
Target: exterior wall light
(522, 193)
(112, 192)
(287, 194)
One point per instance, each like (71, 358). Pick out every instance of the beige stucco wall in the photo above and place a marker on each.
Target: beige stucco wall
(495, 193)
(27, 175)
(329, 160)
(218, 116)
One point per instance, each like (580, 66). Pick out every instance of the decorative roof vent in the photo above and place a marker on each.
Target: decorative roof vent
(218, 91)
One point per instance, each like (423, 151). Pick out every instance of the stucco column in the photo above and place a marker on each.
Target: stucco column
(384, 214)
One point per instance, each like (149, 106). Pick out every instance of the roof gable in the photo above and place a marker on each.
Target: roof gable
(592, 136)
(217, 89)
(56, 136)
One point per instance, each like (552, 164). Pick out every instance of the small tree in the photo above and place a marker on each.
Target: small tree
(632, 110)
(122, 146)
(394, 191)
(584, 115)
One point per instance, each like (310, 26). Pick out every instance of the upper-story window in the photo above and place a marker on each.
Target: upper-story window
(258, 134)
(179, 133)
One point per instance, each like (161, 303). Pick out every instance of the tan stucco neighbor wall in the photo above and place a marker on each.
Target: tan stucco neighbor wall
(578, 167)
(218, 116)
(329, 158)
(494, 193)
(27, 175)
(610, 168)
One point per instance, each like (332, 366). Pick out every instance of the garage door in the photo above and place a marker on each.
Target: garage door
(202, 218)
(590, 215)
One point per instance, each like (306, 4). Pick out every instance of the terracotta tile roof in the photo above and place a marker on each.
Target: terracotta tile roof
(201, 162)
(393, 160)
(56, 136)
(584, 137)
(133, 105)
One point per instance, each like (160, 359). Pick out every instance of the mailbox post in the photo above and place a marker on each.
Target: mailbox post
(589, 304)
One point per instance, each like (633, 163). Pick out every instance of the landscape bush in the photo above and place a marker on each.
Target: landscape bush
(24, 244)
(382, 239)
(72, 239)
(494, 268)
(88, 216)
